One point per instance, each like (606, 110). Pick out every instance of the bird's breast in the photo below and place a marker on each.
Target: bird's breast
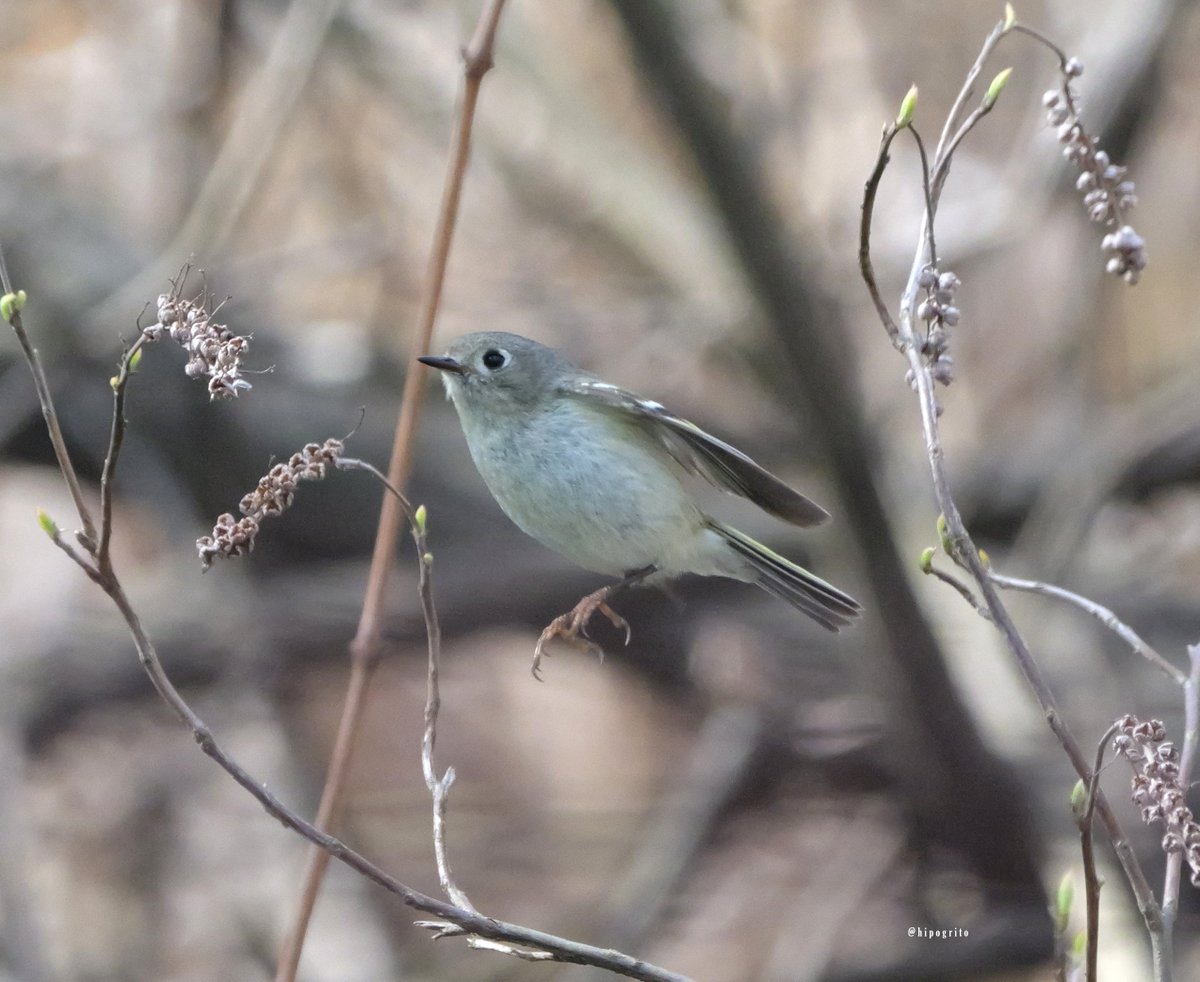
(585, 485)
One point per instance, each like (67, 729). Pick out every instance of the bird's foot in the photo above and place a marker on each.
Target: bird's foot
(572, 628)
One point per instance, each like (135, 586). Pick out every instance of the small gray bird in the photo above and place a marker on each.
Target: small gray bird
(593, 472)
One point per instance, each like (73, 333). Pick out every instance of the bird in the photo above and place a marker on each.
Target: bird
(597, 473)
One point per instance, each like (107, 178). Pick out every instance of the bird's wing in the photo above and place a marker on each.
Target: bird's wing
(701, 453)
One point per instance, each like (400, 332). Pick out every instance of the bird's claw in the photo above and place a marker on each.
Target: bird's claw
(572, 628)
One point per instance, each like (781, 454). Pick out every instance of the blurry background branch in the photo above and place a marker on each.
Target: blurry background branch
(265, 107)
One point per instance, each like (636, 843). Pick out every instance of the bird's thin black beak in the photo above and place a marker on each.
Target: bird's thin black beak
(444, 363)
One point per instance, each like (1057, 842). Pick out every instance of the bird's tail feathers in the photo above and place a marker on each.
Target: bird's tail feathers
(780, 577)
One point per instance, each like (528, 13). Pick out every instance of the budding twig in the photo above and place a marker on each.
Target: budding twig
(922, 377)
(12, 303)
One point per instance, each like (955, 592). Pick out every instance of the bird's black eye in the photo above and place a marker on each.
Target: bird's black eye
(494, 358)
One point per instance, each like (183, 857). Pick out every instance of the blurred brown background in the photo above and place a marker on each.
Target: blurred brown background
(670, 191)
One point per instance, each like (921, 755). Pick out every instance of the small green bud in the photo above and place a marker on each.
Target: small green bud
(427, 559)
(1010, 17)
(49, 526)
(1079, 795)
(135, 360)
(926, 560)
(1062, 902)
(994, 90)
(1080, 945)
(908, 106)
(943, 531)
(114, 383)
(419, 517)
(985, 559)
(12, 304)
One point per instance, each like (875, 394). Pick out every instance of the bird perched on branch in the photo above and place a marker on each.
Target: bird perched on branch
(593, 472)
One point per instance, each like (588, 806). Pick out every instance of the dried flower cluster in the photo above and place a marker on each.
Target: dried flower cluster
(938, 312)
(1156, 787)
(1107, 195)
(213, 349)
(274, 495)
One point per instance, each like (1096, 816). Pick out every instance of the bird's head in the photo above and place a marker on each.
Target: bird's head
(492, 371)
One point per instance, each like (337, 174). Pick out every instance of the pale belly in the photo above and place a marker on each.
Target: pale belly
(610, 506)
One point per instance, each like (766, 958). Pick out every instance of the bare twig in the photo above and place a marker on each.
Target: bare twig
(483, 944)
(78, 560)
(1091, 880)
(443, 929)
(927, 189)
(48, 411)
(864, 234)
(366, 647)
(963, 590)
(115, 439)
(1187, 762)
(439, 787)
(1103, 615)
(952, 132)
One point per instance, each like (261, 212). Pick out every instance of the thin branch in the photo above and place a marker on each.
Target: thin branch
(1103, 615)
(1091, 881)
(952, 133)
(443, 929)
(439, 788)
(1187, 762)
(528, 956)
(65, 464)
(963, 590)
(927, 189)
(115, 439)
(366, 648)
(864, 234)
(78, 560)
(1042, 39)
(943, 169)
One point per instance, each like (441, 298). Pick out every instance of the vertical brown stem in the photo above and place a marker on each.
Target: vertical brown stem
(366, 646)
